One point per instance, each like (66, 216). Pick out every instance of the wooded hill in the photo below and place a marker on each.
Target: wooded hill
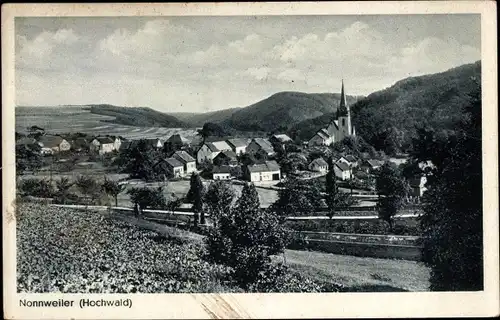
(387, 119)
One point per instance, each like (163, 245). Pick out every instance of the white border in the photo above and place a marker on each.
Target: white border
(343, 305)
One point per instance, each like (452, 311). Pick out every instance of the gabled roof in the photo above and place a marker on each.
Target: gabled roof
(237, 143)
(177, 139)
(342, 166)
(228, 154)
(183, 156)
(282, 137)
(350, 158)
(323, 134)
(105, 140)
(373, 163)
(50, 141)
(221, 145)
(264, 144)
(221, 169)
(174, 163)
(319, 162)
(264, 167)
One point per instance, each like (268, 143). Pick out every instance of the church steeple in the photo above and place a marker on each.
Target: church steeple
(342, 110)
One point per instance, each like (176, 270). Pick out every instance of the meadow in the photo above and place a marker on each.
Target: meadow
(80, 119)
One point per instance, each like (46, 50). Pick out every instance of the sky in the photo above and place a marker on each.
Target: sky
(200, 64)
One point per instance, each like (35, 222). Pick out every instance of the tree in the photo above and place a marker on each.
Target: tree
(148, 197)
(298, 197)
(393, 191)
(63, 186)
(292, 162)
(89, 187)
(334, 197)
(245, 237)
(452, 220)
(112, 188)
(37, 187)
(28, 157)
(210, 129)
(195, 196)
(140, 160)
(218, 200)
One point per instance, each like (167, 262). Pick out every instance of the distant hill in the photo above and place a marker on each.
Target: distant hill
(282, 110)
(140, 117)
(433, 100)
(198, 119)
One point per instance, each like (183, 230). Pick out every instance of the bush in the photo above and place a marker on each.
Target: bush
(37, 188)
(148, 198)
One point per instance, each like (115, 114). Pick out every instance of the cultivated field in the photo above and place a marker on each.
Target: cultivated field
(79, 119)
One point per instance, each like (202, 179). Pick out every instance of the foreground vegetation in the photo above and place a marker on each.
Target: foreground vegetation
(59, 250)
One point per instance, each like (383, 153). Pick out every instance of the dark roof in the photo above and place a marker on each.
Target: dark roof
(105, 140)
(50, 141)
(320, 162)
(177, 139)
(221, 169)
(264, 167)
(174, 163)
(264, 144)
(374, 163)
(323, 134)
(342, 166)
(342, 110)
(212, 147)
(228, 154)
(237, 143)
(350, 158)
(183, 156)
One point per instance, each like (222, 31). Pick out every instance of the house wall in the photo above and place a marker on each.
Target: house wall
(205, 154)
(177, 172)
(343, 175)
(64, 146)
(117, 144)
(106, 148)
(318, 168)
(240, 150)
(221, 176)
(263, 176)
(190, 167)
(318, 141)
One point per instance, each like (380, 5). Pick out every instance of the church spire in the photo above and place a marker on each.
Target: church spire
(342, 110)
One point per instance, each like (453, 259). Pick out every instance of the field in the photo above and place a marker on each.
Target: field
(80, 119)
(59, 250)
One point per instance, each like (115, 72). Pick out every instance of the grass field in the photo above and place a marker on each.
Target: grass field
(78, 119)
(360, 273)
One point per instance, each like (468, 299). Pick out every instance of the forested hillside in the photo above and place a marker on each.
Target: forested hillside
(388, 119)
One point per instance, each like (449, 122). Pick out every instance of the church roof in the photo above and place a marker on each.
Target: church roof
(342, 110)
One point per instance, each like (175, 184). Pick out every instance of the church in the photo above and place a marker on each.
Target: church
(338, 128)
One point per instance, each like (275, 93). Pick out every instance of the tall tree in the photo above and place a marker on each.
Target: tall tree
(28, 157)
(148, 197)
(298, 197)
(89, 187)
(393, 191)
(245, 238)
(218, 200)
(63, 186)
(453, 216)
(195, 196)
(112, 188)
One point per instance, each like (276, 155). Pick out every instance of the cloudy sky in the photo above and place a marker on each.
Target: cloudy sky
(198, 64)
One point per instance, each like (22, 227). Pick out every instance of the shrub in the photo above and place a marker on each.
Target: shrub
(37, 188)
(148, 197)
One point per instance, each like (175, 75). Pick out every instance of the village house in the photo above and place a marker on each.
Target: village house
(104, 145)
(349, 160)
(177, 141)
(53, 144)
(342, 170)
(221, 172)
(239, 146)
(226, 157)
(175, 167)
(187, 160)
(268, 171)
(260, 145)
(318, 165)
(80, 144)
(371, 165)
(339, 128)
(280, 138)
(209, 150)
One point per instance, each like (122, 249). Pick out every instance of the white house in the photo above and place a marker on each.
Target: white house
(342, 170)
(318, 165)
(186, 159)
(53, 144)
(221, 173)
(209, 150)
(349, 160)
(268, 171)
(239, 146)
(103, 145)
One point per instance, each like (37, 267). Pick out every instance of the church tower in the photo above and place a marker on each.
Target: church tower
(344, 117)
